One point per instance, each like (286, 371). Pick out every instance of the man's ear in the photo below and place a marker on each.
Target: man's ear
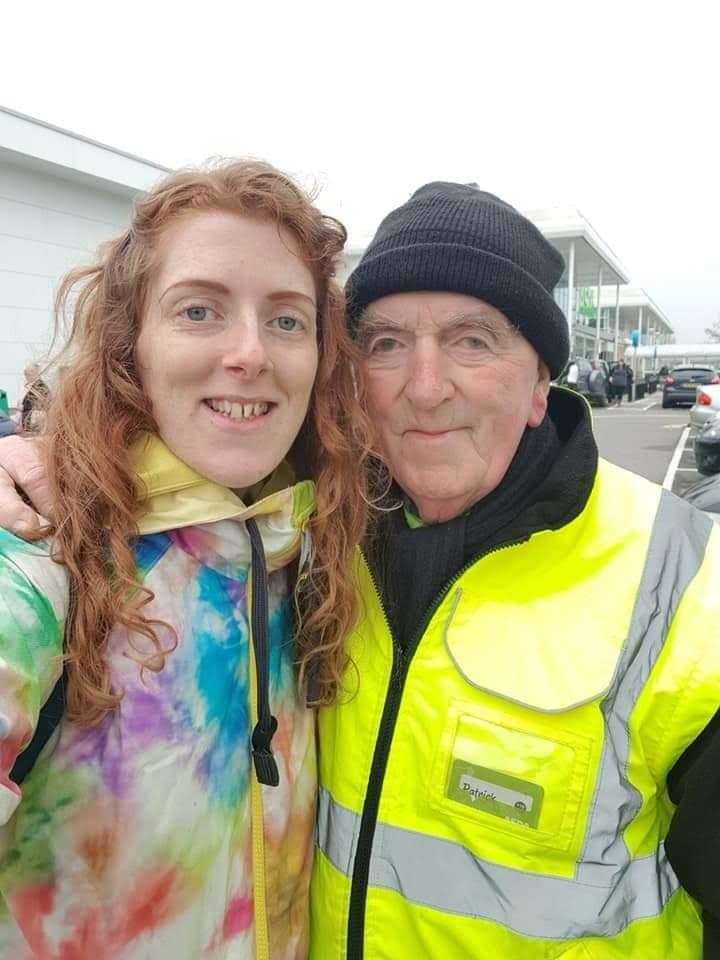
(539, 402)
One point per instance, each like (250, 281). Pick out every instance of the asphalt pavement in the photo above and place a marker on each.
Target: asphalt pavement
(648, 440)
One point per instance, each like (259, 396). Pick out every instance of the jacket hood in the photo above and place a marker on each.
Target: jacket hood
(172, 495)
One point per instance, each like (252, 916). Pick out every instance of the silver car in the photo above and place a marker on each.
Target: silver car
(707, 404)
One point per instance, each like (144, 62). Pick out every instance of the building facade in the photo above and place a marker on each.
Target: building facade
(61, 196)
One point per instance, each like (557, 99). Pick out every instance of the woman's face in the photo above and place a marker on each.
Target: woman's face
(227, 351)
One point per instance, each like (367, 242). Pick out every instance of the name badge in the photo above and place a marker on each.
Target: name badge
(496, 793)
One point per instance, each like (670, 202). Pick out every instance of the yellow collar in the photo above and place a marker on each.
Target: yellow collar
(173, 495)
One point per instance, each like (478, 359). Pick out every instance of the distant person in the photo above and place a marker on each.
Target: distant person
(630, 378)
(597, 382)
(619, 382)
(35, 399)
(572, 375)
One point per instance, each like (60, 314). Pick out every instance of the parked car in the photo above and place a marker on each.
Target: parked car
(652, 379)
(7, 425)
(585, 381)
(682, 382)
(707, 405)
(705, 495)
(707, 447)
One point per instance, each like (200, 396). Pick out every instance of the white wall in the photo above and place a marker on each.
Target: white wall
(350, 260)
(47, 225)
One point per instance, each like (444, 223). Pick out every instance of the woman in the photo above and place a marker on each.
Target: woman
(171, 814)
(619, 381)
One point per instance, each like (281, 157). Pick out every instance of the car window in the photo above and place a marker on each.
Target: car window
(692, 372)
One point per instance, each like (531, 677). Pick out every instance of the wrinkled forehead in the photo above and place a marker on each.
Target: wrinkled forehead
(433, 311)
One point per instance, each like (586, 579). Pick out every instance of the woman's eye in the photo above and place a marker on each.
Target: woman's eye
(288, 323)
(198, 314)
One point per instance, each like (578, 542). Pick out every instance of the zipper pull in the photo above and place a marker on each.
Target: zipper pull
(266, 768)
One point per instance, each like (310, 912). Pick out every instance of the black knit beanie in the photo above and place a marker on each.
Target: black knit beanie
(456, 238)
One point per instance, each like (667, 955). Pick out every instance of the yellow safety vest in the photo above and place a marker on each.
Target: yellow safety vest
(499, 789)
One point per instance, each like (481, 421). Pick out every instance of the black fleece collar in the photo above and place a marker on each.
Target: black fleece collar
(548, 482)
(546, 486)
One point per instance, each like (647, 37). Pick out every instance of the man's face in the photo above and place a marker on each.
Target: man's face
(452, 387)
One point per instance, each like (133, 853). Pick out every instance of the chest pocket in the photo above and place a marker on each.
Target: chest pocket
(520, 748)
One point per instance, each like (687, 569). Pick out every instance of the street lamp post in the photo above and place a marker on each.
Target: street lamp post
(651, 342)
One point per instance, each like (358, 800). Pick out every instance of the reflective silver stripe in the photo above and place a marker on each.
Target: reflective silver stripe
(446, 876)
(610, 889)
(337, 832)
(675, 553)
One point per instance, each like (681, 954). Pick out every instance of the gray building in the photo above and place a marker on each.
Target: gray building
(61, 195)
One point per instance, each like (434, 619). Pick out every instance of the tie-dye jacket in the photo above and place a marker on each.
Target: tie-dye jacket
(149, 836)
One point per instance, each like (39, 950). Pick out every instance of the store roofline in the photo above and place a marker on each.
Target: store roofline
(567, 223)
(633, 297)
(554, 224)
(28, 141)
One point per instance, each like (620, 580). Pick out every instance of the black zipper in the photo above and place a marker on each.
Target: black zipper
(51, 715)
(368, 821)
(266, 768)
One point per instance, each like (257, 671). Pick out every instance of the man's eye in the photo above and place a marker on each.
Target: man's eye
(473, 343)
(383, 345)
(198, 314)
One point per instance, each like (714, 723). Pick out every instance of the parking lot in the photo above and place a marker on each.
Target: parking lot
(656, 443)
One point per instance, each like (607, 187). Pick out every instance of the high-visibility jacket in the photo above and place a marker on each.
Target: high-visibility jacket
(498, 788)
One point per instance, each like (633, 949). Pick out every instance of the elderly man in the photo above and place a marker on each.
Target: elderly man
(526, 677)
(536, 674)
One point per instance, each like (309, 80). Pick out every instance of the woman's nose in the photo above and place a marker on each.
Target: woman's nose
(246, 351)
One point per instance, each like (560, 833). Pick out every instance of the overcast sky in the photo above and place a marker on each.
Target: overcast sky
(612, 108)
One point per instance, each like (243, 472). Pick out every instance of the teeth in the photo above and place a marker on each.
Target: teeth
(238, 411)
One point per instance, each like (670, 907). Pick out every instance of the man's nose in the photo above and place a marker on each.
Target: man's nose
(245, 350)
(429, 383)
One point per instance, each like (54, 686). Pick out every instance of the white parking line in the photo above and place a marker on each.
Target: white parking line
(675, 462)
(650, 406)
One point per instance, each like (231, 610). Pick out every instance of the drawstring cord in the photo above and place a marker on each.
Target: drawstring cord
(266, 768)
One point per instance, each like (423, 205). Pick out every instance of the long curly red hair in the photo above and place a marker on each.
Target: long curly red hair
(99, 409)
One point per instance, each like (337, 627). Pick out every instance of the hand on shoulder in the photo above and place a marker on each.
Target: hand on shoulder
(22, 468)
